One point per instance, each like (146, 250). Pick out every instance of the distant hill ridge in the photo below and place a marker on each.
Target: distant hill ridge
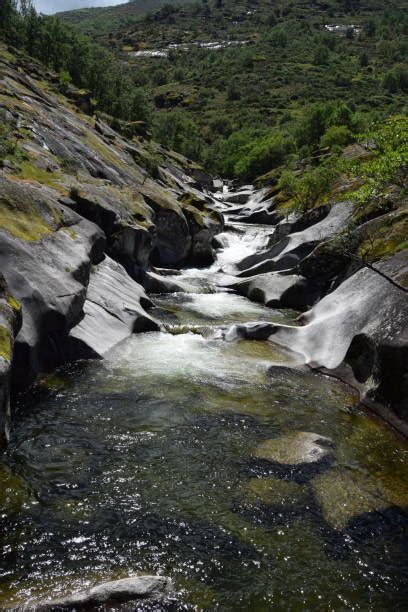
(87, 19)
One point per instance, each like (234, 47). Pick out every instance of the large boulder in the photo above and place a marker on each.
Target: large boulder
(293, 248)
(125, 218)
(278, 290)
(114, 594)
(46, 255)
(113, 310)
(359, 332)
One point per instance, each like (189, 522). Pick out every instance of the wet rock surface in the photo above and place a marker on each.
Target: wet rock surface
(10, 323)
(298, 456)
(113, 595)
(298, 448)
(356, 319)
(113, 310)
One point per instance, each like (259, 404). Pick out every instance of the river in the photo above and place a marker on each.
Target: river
(146, 463)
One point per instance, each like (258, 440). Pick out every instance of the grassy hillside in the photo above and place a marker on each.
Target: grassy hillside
(244, 109)
(107, 19)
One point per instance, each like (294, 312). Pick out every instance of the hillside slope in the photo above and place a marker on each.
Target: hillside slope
(108, 19)
(227, 83)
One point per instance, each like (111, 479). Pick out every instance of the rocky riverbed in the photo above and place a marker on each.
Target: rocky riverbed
(225, 464)
(190, 372)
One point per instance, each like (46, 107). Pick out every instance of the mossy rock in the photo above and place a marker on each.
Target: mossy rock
(24, 215)
(23, 223)
(5, 343)
(387, 236)
(52, 383)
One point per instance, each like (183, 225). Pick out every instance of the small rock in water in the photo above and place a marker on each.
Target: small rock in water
(295, 449)
(151, 588)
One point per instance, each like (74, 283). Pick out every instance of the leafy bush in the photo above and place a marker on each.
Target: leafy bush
(308, 188)
(179, 132)
(336, 136)
(263, 155)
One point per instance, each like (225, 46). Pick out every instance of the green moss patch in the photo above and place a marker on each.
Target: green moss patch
(23, 221)
(13, 303)
(388, 238)
(31, 172)
(5, 343)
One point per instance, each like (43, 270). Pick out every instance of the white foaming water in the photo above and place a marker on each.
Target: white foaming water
(223, 306)
(239, 244)
(153, 357)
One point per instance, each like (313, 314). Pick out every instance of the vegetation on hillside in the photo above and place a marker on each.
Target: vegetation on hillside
(373, 173)
(75, 58)
(111, 18)
(291, 86)
(244, 109)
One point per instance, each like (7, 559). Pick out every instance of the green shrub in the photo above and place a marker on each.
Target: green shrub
(336, 136)
(263, 155)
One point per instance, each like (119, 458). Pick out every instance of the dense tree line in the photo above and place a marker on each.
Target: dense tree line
(74, 57)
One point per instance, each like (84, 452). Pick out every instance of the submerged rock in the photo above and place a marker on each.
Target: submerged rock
(115, 593)
(275, 492)
(271, 500)
(298, 448)
(346, 495)
(297, 456)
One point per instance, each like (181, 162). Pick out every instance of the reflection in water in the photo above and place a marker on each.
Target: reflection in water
(145, 463)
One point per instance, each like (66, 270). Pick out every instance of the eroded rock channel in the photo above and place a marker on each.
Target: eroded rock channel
(204, 449)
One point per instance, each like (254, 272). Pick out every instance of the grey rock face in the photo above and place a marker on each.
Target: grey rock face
(292, 249)
(47, 273)
(113, 310)
(278, 290)
(364, 324)
(10, 322)
(115, 593)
